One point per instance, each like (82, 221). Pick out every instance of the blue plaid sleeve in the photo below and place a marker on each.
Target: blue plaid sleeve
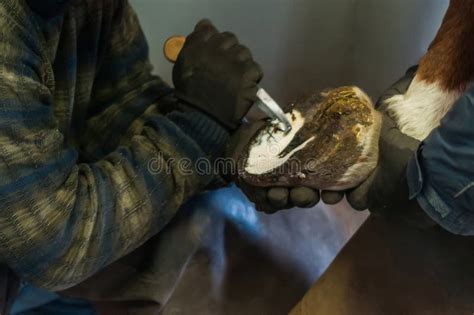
(124, 86)
(61, 220)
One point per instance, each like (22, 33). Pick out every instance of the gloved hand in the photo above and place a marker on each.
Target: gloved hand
(385, 192)
(268, 200)
(216, 75)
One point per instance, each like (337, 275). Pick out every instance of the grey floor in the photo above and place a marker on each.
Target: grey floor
(251, 263)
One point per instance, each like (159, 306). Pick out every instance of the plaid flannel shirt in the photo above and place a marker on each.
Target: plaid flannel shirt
(80, 120)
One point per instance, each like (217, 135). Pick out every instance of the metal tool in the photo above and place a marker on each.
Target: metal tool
(265, 102)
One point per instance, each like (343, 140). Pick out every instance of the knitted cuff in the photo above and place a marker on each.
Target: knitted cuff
(211, 136)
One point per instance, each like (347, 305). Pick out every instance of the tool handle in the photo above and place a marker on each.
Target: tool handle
(173, 46)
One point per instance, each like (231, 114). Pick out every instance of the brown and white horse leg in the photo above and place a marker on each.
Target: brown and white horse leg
(444, 73)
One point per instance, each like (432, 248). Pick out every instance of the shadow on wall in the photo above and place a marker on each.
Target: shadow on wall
(307, 45)
(391, 36)
(369, 43)
(318, 49)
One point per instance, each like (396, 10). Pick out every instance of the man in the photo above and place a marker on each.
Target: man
(82, 117)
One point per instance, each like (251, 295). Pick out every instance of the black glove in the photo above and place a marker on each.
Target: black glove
(272, 200)
(217, 75)
(268, 200)
(385, 192)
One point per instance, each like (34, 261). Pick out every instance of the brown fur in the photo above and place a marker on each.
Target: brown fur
(450, 59)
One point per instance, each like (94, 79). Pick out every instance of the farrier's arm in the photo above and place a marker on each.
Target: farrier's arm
(124, 87)
(126, 94)
(61, 220)
(441, 177)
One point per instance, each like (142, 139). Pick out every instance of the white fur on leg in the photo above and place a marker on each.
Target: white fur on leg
(421, 108)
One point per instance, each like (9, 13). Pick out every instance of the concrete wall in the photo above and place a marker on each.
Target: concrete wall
(304, 45)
